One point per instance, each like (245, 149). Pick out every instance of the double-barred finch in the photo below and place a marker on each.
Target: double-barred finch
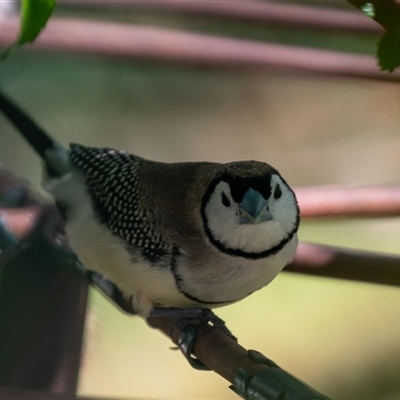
(169, 235)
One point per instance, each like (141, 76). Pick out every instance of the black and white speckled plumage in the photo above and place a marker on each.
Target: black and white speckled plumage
(178, 235)
(112, 179)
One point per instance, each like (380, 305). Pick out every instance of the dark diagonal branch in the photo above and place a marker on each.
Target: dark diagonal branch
(250, 373)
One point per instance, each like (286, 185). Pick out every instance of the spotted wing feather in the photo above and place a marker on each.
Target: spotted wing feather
(112, 180)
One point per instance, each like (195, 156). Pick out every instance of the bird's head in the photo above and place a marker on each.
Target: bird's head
(249, 210)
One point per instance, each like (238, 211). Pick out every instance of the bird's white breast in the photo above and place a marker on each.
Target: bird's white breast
(228, 278)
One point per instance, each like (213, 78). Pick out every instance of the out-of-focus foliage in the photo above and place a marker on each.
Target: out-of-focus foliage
(389, 50)
(34, 16)
(387, 14)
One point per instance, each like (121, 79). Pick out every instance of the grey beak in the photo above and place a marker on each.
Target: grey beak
(254, 208)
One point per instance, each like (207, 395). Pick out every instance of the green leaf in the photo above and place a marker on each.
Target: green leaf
(34, 15)
(389, 50)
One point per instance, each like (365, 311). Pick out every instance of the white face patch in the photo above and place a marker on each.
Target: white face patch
(222, 219)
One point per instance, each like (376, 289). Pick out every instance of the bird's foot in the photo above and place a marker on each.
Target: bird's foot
(194, 316)
(186, 319)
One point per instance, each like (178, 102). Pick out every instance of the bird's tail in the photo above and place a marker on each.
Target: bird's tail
(53, 154)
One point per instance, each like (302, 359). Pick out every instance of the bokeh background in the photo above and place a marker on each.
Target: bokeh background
(340, 337)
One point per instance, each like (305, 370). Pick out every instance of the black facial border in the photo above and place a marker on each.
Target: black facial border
(237, 252)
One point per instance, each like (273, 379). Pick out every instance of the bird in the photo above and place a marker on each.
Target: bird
(168, 235)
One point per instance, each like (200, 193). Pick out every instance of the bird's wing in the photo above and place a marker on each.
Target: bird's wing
(112, 181)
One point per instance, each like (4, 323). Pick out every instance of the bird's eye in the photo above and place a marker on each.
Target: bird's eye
(277, 192)
(225, 200)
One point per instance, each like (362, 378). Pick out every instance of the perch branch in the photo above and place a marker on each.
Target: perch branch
(262, 378)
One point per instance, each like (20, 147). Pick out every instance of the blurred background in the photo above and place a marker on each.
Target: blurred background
(317, 129)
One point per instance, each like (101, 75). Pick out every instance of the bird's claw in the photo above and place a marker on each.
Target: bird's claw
(186, 343)
(220, 325)
(186, 319)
